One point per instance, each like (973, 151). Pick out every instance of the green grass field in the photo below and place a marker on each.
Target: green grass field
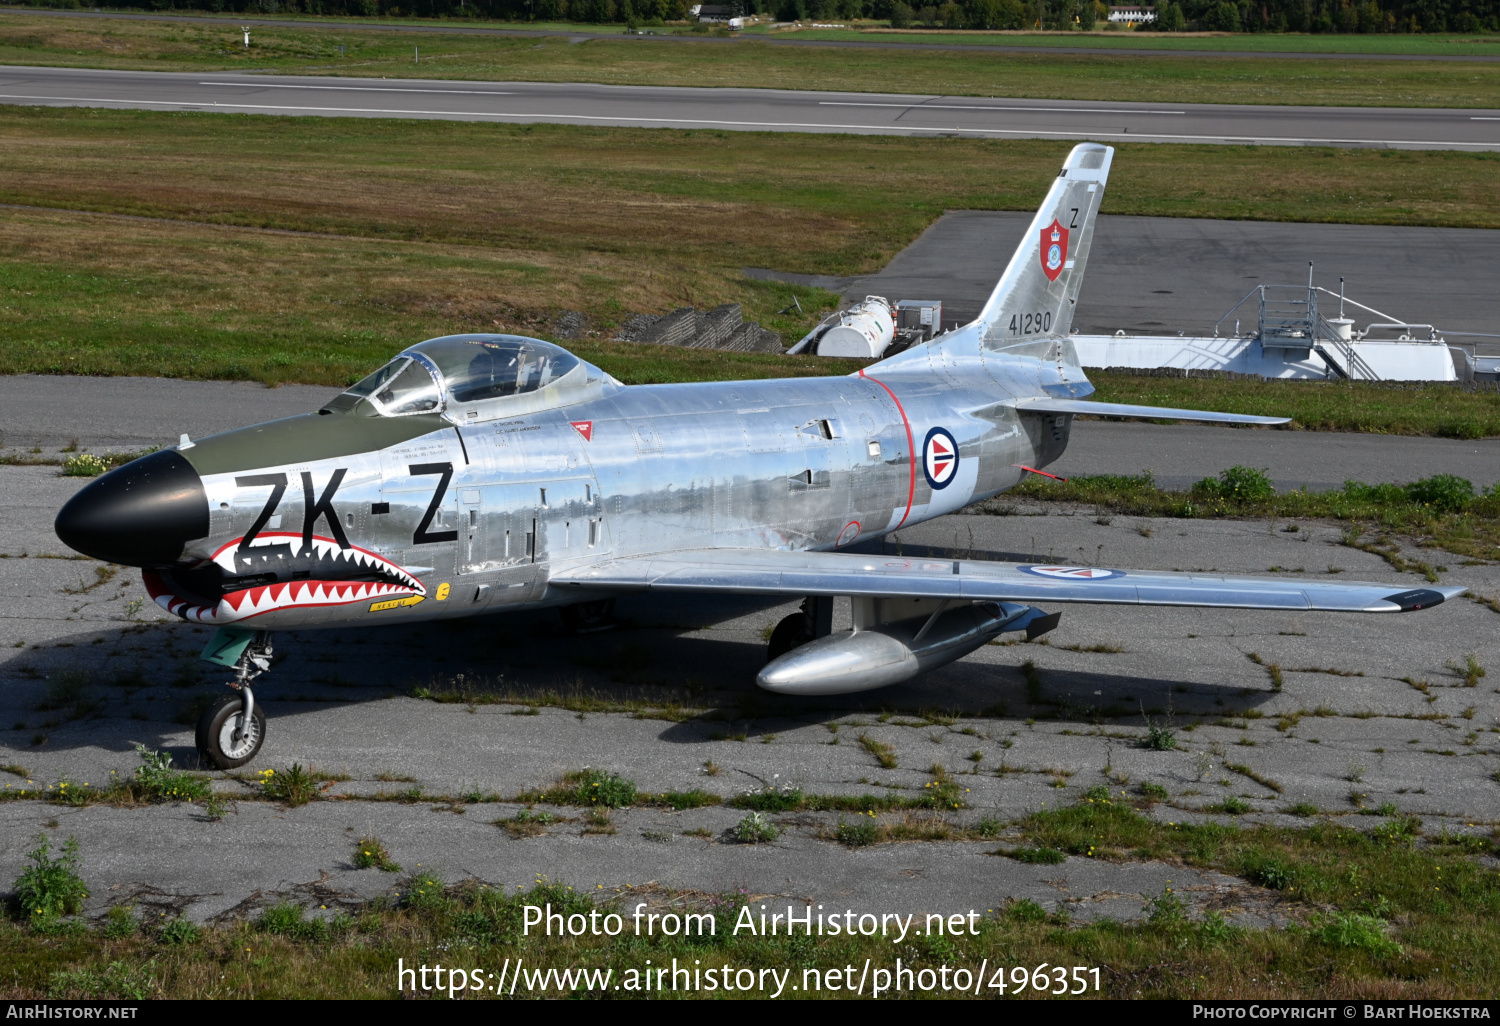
(1442, 44)
(1450, 45)
(1379, 407)
(32, 39)
(273, 249)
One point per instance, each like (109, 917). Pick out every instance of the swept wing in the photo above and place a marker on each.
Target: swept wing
(776, 572)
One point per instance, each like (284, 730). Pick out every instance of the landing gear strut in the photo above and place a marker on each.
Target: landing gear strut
(231, 730)
(815, 621)
(588, 617)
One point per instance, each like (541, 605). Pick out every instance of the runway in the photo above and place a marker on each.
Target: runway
(755, 110)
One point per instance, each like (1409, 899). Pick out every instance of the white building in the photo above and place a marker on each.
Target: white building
(720, 14)
(1132, 15)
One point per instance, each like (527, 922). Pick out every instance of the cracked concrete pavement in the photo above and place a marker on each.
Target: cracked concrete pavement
(1372, 715)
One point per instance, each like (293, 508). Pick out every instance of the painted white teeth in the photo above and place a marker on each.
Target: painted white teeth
(267, 598)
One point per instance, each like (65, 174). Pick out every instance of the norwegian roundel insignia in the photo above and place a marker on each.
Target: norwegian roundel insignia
(940, 458)
(1054, 249)
(1084, 574)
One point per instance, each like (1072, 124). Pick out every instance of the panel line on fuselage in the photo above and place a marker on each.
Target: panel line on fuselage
(911, 455)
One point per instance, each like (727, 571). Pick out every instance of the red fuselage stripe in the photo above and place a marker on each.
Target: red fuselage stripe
(911, 448)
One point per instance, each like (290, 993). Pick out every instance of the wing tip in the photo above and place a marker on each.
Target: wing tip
(1418, 598)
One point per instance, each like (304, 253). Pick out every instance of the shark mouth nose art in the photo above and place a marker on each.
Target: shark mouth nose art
(278, 572)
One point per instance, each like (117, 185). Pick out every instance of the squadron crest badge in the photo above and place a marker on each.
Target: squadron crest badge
(1054, 249)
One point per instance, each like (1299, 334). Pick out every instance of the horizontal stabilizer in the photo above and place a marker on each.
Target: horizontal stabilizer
(1085, 406)
(778, 572)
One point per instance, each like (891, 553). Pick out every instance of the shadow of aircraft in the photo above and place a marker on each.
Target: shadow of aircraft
(687, 658)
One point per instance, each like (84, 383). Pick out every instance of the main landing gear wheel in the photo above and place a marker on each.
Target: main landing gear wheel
(225, 740)
(790, 633)
(588, 617)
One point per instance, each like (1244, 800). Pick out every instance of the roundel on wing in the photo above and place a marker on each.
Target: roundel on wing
(940, 458)
(1073, 573)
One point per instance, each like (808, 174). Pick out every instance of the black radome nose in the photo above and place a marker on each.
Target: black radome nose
(141, 514)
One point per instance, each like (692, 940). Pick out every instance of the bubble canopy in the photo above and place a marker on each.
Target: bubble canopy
(465, 369)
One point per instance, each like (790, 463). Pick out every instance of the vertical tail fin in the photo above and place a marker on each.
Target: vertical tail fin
(1036, 295)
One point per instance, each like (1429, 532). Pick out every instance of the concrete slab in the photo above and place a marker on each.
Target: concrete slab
(1159, 275)
(1371, 716)
(132, 413)
(261, 852)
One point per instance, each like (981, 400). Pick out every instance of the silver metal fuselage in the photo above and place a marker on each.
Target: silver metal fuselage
(798, 464)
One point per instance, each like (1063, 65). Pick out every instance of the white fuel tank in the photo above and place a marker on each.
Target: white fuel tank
(892, 652)
(863, 331)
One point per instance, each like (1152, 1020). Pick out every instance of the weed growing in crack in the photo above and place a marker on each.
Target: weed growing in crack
(756, 829)
(884, 753)
(1160, 736)
(1037, 855)
(294, 785)
(527, 823)
(50, 887)
(1232, 805)
(370, 853)
(587, 787)
(156, 780)
(859, 834)
(1469, 671)
(1166, 909)
(598, 820)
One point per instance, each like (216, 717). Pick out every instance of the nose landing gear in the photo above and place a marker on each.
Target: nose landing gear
(230, 731)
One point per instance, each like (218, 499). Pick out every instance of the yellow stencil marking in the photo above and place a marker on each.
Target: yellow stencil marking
(410, 600)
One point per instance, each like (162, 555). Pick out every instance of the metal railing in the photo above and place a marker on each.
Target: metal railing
(1287, 317)
(1354, 366)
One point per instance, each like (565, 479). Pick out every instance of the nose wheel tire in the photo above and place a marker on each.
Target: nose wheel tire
(220, 742)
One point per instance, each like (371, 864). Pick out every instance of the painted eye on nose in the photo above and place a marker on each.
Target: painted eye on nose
(141, 514)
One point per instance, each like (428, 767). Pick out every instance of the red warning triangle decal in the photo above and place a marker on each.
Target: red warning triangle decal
(585, 428)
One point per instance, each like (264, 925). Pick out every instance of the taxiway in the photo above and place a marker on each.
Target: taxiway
(756, 110)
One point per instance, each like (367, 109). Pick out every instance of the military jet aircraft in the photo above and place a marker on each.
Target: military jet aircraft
(491, 473)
